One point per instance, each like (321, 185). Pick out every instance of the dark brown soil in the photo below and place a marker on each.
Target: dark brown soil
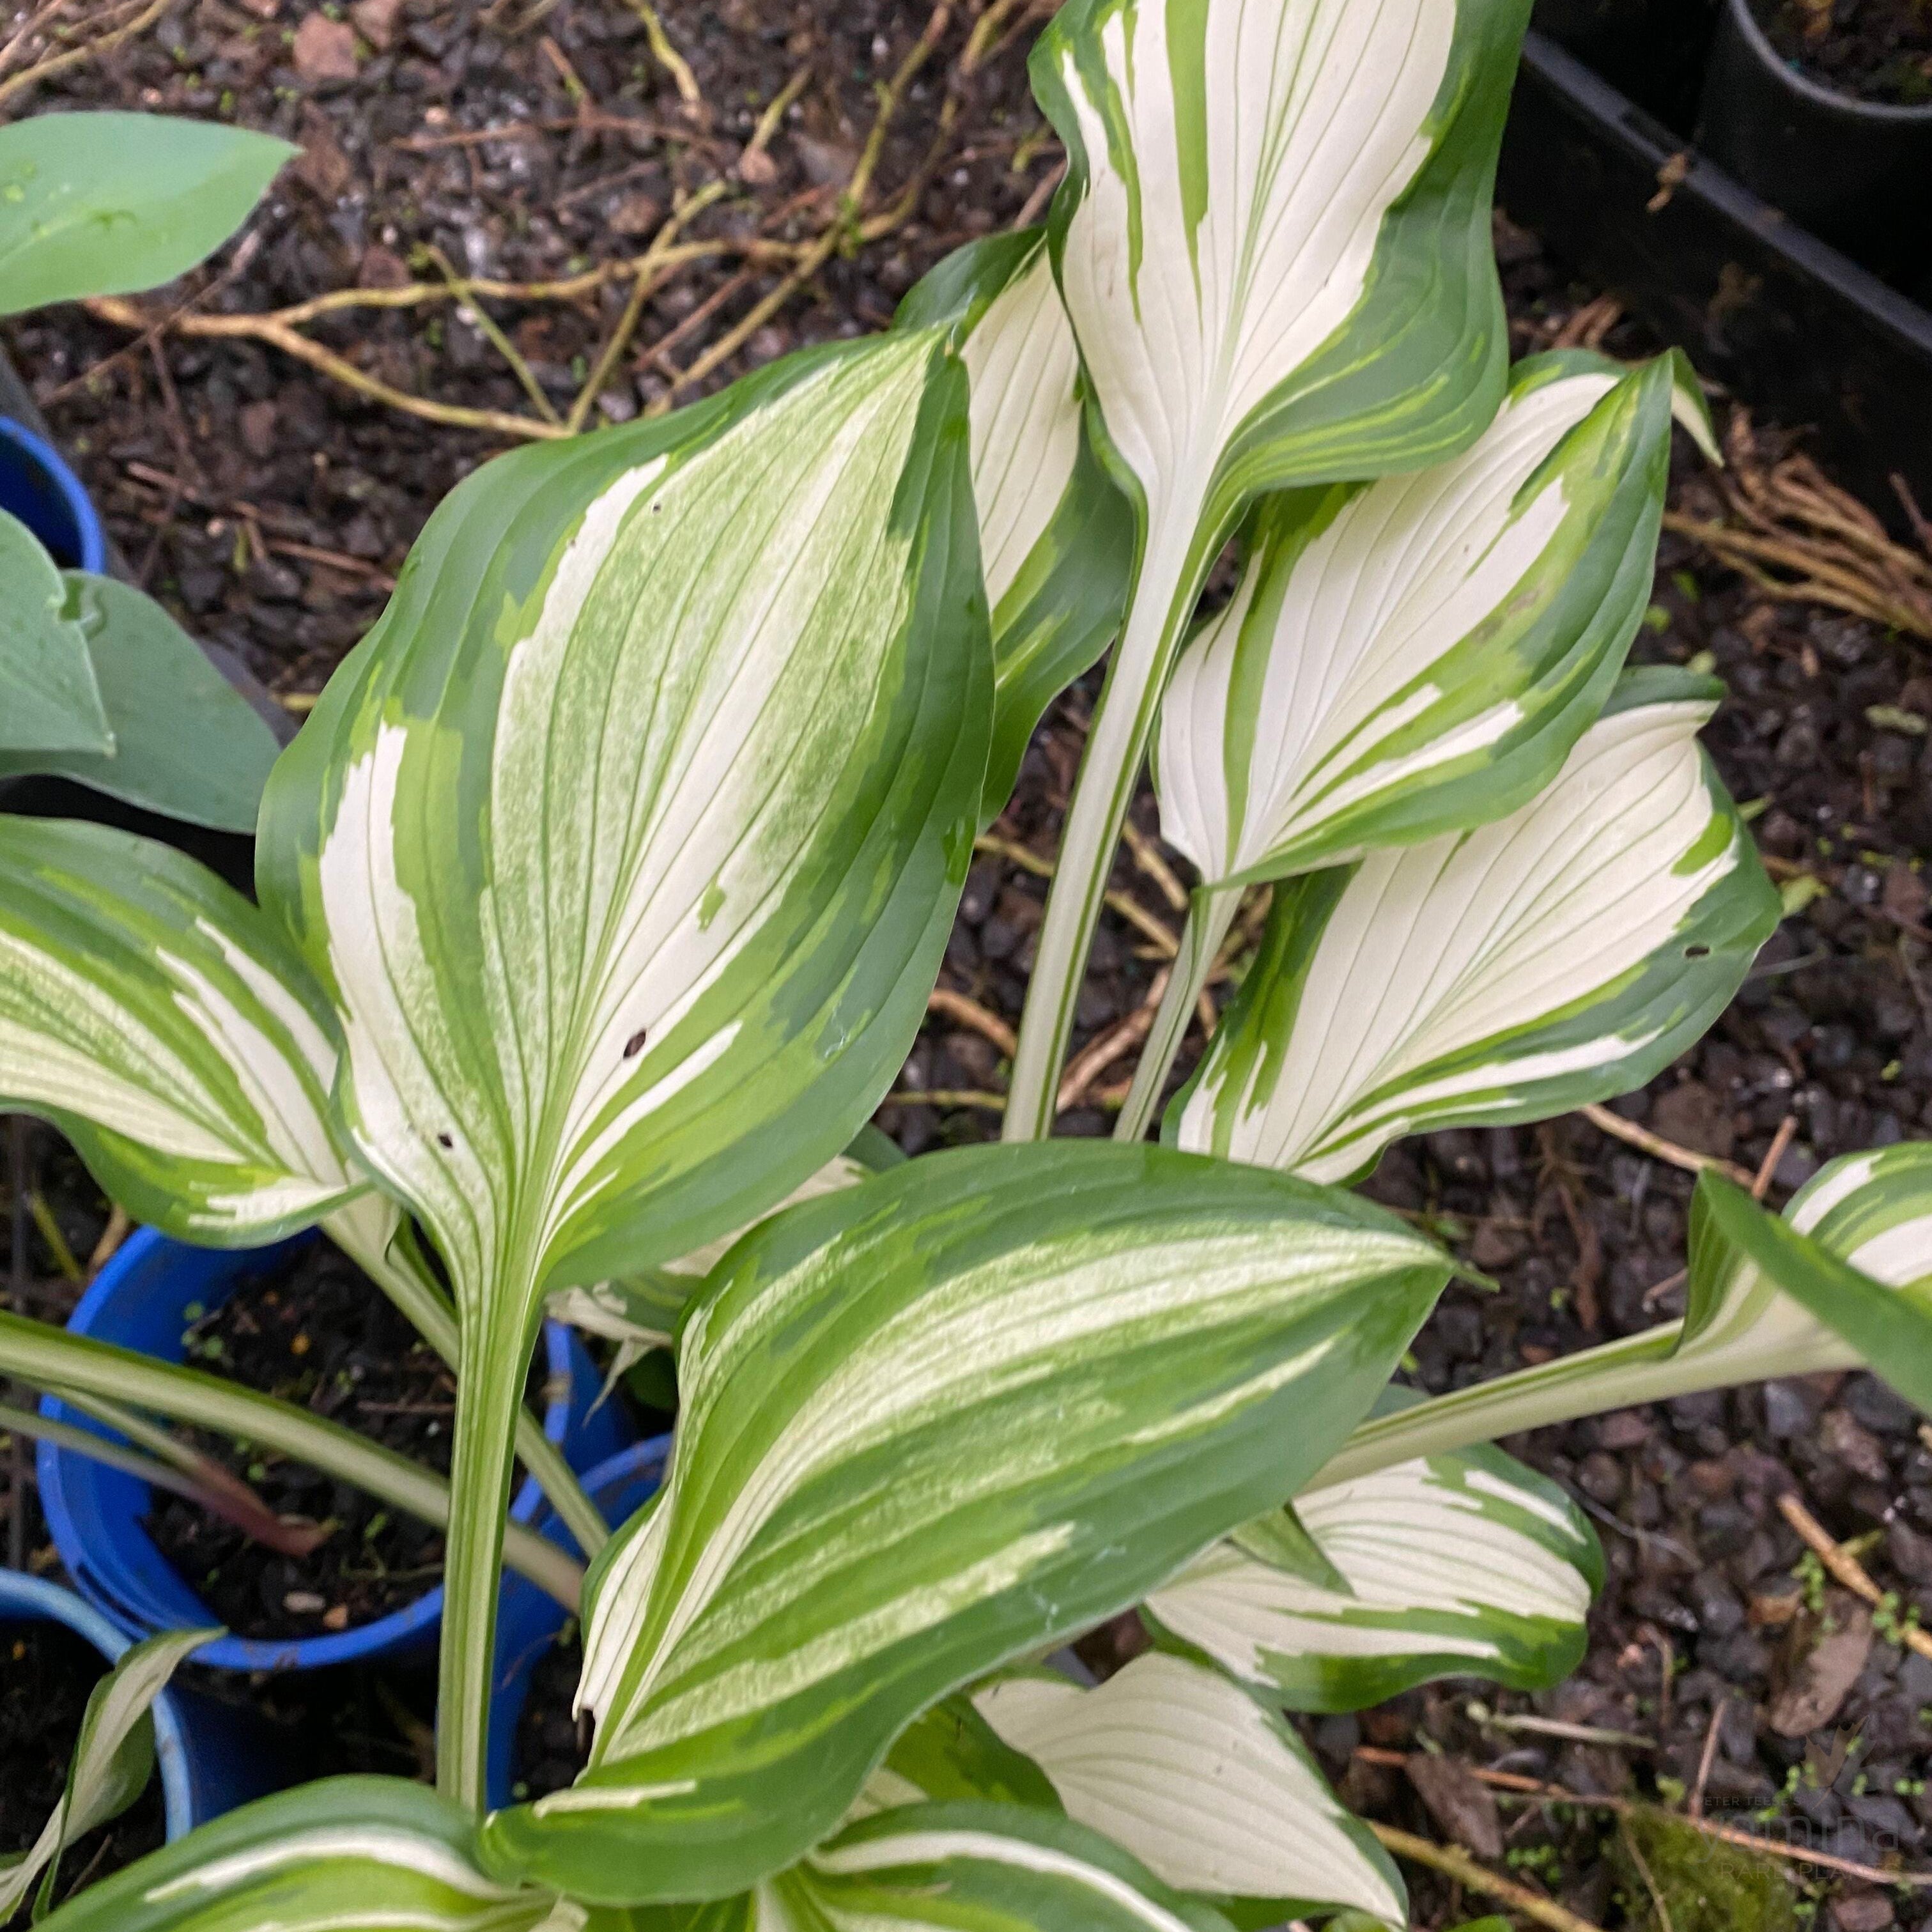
(1876, 49)
(46, 1675)
(552, 1745)
(315, 1330)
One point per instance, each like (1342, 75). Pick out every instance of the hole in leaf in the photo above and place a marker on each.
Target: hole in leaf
(634, 1044)
(1699, 951)
(444, 1141)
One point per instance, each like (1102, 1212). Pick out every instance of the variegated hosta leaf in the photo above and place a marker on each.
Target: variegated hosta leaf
(184, 742)
(113, 1759)
(629, 840)
(1411, 656)
(1273, 238)
(641, 1311)
(1455, 1565)
(1562, 954)
(1056, 536)
(1861, 1225)
(992, 1868)
(1844, 1280)
(959, 1411)
(1273, 244)
(1213, 1793)
(345, 1854)
(164, 1025)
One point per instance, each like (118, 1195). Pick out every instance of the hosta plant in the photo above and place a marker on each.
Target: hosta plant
(601, 900)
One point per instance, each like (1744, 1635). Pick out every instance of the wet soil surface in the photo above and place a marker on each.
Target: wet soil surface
(46, 1675)
(1876, 49)
(272, 508)
(317, 1332)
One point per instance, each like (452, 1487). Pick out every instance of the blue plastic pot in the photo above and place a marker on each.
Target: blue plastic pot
(208, 1760)
(140, 1300)
(37, 486)
(528, 1621)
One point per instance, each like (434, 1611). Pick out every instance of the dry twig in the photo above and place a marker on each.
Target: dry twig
(1846, 1567)
(1788, 517)
(1514, 1783)
(1658, 1148)
(1093, 1059)
(1453, 1862)
(45, 69)
(969, 1013)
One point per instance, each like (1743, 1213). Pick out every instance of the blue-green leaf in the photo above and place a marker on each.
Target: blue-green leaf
(102, 204)
(50, 701)
(186, 743)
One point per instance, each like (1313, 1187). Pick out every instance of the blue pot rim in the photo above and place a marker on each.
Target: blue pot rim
(530, 1622)
(73, 492)
(387, 1633)
(28, 1599)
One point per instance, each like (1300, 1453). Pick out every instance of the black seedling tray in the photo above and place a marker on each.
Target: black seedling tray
(1788, 325)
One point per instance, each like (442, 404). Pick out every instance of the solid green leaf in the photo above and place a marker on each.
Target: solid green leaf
(1565, 954)
(1085, 1361)
(1213, 1792)
(161, 1021)
(1456, 1565)
(1056, 537)
(113, 1759)
(186, 743)
(342, 1855)
(50, 700)
(103, 204)
(1418, 655)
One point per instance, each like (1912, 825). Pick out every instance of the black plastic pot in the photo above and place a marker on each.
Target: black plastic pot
(1856, 173)
(1793, 327)
(1652, 50)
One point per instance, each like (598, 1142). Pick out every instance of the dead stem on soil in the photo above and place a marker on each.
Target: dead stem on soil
(1453, 1862)
(969, 1013)
(1847, 1568)
(1518, 1786)
(1790, 518)
(49, 65)
(849, 227)
(1658, 1148)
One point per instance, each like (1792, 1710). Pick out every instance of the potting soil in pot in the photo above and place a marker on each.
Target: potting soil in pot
(315, 1330)
(1874, 49)
(553, 1746)
(47, 1672)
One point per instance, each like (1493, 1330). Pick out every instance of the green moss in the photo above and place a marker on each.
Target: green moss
(1706, 1885)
